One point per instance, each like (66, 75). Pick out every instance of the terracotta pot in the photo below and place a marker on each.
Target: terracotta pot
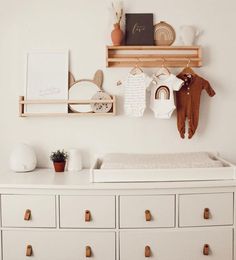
(59, 166)
(117, 35)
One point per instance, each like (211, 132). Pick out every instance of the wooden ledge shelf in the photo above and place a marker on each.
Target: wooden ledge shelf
(154, 56)
(23, 103)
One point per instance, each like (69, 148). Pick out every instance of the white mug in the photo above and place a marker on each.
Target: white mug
(74, 160)
(188, 34)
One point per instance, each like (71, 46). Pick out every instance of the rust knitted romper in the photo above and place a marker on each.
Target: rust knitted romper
(188, 101)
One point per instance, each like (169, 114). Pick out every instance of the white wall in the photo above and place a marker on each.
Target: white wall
(83, 27)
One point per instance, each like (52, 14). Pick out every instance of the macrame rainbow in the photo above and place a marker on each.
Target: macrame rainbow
(162, 92)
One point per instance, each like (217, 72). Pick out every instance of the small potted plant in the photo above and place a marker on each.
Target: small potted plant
(59, 160)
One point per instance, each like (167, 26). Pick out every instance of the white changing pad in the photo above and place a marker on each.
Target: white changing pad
(161, 167)
(160, 161)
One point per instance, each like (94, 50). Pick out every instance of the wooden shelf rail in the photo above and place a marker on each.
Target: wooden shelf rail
(23, 102)
(154, 56)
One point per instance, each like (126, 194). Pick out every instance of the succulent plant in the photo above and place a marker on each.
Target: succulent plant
(59, 156)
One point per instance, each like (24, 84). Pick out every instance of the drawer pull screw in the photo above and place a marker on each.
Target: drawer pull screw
(87, 216)
(148, 215)
(147, 251)
(29, 250)
(27, 215)
(88, 251)
(206, 214)
(206, 249)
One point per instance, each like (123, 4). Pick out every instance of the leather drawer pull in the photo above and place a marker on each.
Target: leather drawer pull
(148, 215)
(206, 249)
(88, 251)
(87, 216)
(147, 251)
(206, 214)
(29, 250)
(27, 215)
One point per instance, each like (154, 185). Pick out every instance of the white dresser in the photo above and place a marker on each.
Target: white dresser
(48, 216)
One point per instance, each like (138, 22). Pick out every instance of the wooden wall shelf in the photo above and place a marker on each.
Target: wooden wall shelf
(23, 102)
(153, 56)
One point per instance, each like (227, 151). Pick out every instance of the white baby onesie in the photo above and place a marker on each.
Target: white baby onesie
(135, 94)
(162, 95)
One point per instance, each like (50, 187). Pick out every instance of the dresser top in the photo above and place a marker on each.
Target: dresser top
(48, 179)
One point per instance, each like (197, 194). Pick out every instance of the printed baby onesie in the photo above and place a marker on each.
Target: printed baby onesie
(188, 102)
(162, 95)
(135, 94)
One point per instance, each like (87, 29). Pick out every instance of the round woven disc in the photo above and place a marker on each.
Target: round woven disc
(101, 107)
(164, 34)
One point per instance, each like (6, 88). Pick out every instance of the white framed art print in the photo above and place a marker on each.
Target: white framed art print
(47, 78)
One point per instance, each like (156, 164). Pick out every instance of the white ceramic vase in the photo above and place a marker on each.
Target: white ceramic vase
(74, 160)
(23, 158)
(188, 34)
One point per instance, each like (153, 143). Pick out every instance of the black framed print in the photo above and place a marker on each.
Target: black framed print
(139, 29)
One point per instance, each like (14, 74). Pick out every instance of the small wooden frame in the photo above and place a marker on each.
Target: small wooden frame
(153, 56)
(23, 102)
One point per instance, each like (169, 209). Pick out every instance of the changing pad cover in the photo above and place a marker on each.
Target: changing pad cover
(160, 161)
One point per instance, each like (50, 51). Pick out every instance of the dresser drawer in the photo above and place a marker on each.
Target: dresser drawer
(28, 211)
(177, 245)
(57, 245)
(147, 211)
(87, 211)
(206, 209)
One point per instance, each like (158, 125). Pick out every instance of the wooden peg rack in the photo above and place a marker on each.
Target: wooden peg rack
(154, 56)
(23, 103)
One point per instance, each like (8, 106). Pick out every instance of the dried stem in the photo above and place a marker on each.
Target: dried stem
(118, 12)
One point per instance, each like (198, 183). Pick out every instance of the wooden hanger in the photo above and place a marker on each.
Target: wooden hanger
(136, 69)
(188, 69)
(163, 70)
